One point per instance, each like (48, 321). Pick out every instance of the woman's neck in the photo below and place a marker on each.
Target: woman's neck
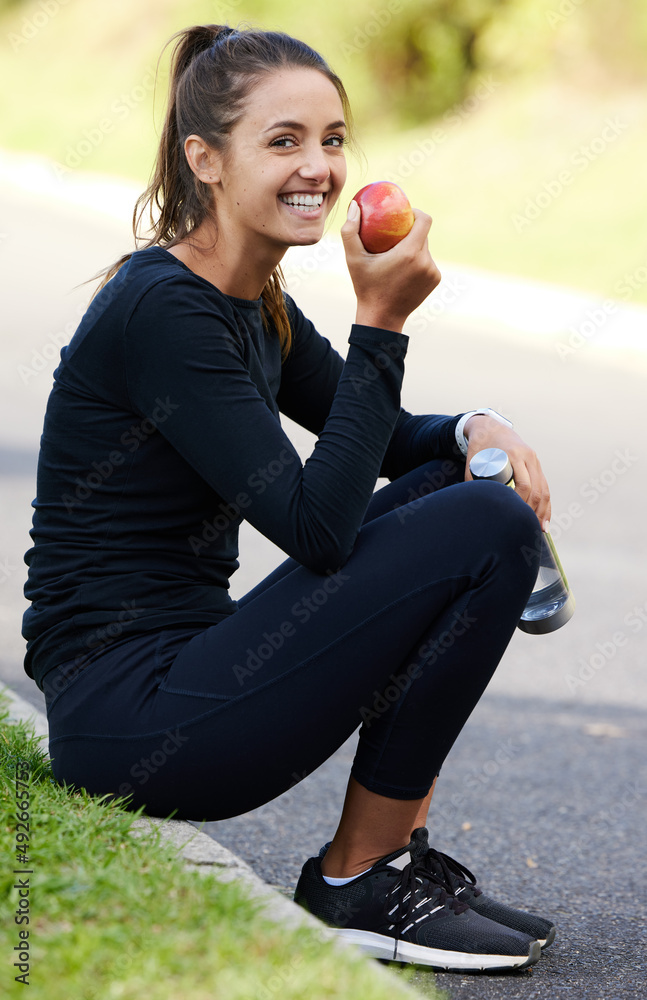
(228, 264)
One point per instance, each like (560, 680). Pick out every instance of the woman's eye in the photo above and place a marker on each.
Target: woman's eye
(288, 141)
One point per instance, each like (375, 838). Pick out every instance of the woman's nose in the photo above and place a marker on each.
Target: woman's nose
(314, 165)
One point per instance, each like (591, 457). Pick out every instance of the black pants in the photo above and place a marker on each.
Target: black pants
(210, 723)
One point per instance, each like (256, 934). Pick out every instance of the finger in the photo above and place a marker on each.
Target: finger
(421, 224)
(539, 497)
(543, 508)
(531, 485)
(522, 481)
(416, 238)
(350, 229)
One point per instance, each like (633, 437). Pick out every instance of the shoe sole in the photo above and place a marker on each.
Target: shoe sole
(546, 943)
(381, 946)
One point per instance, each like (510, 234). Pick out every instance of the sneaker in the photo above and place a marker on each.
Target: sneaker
(464, 886)
(400, 911)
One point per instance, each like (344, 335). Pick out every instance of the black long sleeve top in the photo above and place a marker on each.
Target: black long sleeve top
(162, 432)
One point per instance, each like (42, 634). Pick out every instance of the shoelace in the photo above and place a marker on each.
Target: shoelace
(449, 870)
(412, 892)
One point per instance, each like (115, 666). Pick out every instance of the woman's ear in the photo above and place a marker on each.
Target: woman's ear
(204, 161)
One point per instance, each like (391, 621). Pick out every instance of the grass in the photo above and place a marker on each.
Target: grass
(115, 914)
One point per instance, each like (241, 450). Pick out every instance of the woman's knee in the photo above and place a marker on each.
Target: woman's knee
(476, 517)
(499, 517)
(511, 526)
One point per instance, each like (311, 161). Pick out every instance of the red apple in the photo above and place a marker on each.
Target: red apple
(387, 215)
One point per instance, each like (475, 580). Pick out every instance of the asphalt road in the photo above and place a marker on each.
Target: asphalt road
(545, 794)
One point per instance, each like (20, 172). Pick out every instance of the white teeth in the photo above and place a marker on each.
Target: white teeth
(306, 202)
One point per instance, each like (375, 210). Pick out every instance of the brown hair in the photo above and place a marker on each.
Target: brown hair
(213, 69)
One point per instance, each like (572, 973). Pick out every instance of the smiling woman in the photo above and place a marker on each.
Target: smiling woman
(132, 634)
(214, 88)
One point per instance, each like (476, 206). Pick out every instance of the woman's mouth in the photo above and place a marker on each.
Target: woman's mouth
(306, 204)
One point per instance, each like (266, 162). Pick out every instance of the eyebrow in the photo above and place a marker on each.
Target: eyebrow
(300, 125)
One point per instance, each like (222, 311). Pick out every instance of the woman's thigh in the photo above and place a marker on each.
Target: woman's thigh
(247, 707)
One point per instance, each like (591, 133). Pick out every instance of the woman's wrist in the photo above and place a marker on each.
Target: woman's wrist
(479, 422)
(480, 425)
(382, 320)
(473, 422)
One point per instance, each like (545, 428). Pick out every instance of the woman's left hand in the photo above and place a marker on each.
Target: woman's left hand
(481, 432)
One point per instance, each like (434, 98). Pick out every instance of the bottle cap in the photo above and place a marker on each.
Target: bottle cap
(491, 463)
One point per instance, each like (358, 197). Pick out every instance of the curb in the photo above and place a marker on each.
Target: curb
(21, 711)
(202, 853)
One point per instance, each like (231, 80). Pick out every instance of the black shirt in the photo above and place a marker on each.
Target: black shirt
(162, 432)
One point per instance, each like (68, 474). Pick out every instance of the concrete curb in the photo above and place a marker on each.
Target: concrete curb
(21, 711)
(203, 854)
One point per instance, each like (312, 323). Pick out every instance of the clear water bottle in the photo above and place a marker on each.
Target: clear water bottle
(551, 603)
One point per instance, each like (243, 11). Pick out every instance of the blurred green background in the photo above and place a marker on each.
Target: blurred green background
(519, 125)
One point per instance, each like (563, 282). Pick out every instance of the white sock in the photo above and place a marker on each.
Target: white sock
(342, 881)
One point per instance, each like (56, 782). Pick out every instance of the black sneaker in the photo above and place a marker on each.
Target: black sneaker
(401, 912)
(463, 885)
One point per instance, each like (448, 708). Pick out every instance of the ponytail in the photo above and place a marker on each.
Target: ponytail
(213, 69)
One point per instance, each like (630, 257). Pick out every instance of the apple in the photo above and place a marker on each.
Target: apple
(387, 215)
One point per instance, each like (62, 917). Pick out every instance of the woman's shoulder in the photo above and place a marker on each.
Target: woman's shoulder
(152, 265)
(150, 292)
(299, 322)
(154, 281)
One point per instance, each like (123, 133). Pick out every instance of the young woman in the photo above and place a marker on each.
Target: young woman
(162, 433)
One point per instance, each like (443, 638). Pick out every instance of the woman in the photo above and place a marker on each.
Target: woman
(162, 432)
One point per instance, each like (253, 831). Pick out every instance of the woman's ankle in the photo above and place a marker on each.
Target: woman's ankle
(341, 863)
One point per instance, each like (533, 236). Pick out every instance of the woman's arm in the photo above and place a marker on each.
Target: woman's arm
(179, 347)
(310, 376)
(308, 383)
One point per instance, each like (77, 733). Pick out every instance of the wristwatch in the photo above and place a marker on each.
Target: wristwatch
(461, 440)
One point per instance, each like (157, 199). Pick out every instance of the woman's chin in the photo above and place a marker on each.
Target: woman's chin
(305, 238)
(306, 241)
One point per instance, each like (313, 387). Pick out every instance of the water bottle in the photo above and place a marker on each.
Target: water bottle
(551, 603)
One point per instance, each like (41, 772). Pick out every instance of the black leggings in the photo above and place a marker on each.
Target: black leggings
(208, 723)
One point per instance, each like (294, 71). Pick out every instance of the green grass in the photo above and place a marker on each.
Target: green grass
(87, 71)
(115, 914)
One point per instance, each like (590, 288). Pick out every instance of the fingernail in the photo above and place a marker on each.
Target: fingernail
(353, 211)
(546, 525)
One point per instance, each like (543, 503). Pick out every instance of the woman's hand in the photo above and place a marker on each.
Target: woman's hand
(530, 483)
(390, 285)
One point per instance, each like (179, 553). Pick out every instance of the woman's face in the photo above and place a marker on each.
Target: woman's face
(285, 164)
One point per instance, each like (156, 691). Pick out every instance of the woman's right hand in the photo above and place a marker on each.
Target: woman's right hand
(390, 285)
